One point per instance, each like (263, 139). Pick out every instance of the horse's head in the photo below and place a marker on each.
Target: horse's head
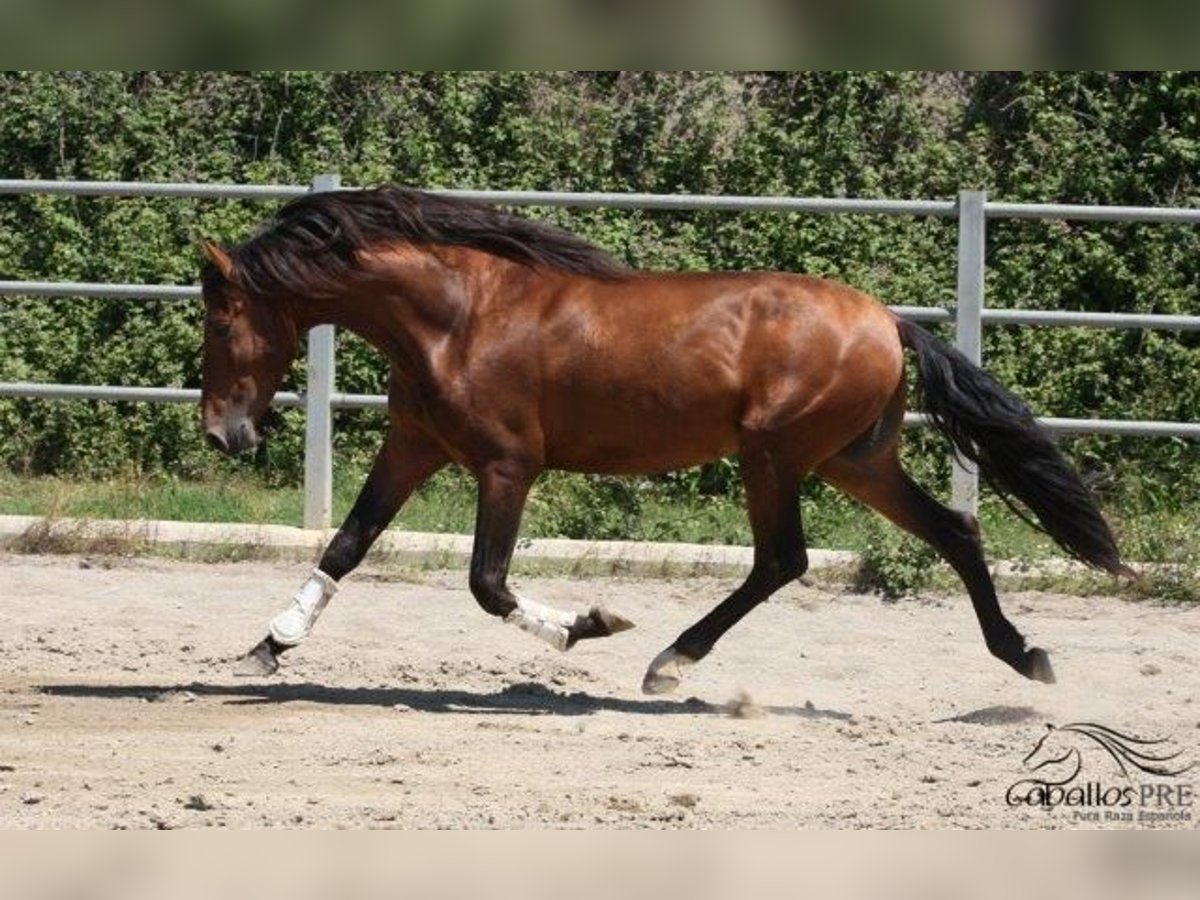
(249, 343)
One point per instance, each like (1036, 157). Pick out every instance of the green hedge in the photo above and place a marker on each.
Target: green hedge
(1076, 137)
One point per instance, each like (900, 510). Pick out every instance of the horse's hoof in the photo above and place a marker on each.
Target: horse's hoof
(608, 623)
(654, 683)
(259, 662)
(1037, 666)
(598, 623)
(665, 672)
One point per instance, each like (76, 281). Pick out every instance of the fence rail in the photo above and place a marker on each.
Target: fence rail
(972, 210)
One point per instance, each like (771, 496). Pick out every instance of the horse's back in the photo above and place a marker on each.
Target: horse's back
(666, 370)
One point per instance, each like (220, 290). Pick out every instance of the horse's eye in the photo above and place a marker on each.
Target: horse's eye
(218, 329)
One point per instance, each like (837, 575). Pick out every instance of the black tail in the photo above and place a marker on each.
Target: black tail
(994, 429)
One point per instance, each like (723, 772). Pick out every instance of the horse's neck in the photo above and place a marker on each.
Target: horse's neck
(402, 315)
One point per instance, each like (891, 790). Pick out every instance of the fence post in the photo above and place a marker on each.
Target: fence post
(968, 325)
(318, 415)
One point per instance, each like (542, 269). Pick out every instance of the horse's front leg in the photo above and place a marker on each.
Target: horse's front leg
(406, 459)
(503, 489)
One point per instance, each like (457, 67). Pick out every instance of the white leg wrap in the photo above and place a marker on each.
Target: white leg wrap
(543, 622)
(295, 623)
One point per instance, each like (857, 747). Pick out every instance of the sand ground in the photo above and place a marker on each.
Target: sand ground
(409, 707)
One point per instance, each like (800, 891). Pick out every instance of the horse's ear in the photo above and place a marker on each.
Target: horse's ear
(219, 258)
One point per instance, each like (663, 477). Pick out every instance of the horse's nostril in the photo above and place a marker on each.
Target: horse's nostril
(216, 440)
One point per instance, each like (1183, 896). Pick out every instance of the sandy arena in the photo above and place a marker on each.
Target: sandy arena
(411, 708)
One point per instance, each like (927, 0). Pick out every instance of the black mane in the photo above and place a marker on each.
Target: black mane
(309, 247)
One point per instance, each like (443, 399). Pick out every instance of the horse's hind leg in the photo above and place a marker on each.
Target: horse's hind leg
(406, 459)
(773, 500)
(882, 483)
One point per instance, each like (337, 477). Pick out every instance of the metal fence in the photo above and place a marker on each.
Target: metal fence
(972, 211)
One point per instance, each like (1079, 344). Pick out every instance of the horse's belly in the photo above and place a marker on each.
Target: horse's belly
(621, 442)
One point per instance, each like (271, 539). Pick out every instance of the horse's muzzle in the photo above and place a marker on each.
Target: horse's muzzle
(232, 439)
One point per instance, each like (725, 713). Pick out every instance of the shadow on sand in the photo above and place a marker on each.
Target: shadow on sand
(994, 715)
(527, 698)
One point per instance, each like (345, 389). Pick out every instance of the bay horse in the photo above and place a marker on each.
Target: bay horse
(516, 347)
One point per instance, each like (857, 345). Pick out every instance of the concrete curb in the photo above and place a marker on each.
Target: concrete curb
(407, 546)
(452, 550)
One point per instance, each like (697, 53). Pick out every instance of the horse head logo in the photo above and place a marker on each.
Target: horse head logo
(1057, 757)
